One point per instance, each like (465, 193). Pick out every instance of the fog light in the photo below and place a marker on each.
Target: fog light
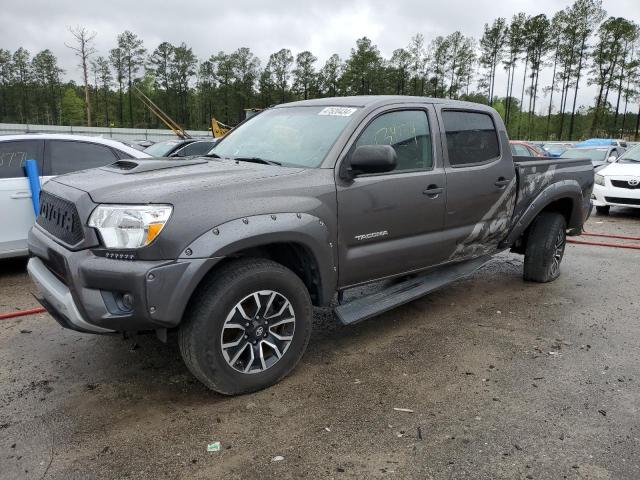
(127, 301)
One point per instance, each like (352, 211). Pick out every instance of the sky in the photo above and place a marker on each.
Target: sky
(324, 28)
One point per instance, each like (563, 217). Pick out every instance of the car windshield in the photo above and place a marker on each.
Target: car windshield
(161, 149)
(555, 147)
(291, 136)
(593, 154)
(630, 156)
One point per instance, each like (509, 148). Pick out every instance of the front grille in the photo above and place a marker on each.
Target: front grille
(624, 184)
(623, 201)
(60, 218)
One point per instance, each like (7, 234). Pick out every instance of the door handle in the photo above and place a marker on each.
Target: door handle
(502, 182)
(433, 191)
(21, 195)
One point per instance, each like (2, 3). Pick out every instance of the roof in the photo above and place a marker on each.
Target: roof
(597, 142)
(372, 101)
(85, 138)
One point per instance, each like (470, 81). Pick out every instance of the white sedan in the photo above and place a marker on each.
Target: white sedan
(56, 154)
(618, 184)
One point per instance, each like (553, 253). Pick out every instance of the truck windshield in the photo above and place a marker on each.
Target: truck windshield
(290, 136)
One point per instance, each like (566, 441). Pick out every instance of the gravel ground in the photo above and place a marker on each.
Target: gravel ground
(503, 380)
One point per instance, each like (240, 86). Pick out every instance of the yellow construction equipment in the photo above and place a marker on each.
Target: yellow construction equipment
(164, 118)
(218, 129)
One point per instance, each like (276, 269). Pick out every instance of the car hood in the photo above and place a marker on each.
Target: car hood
(162, 180)
(621, 169)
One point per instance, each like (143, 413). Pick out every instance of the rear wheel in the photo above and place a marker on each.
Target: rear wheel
(604, 210)
(545, 247)
(247, 326)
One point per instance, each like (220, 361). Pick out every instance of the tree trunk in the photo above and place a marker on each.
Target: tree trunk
(575, 93)
(553, 84)
(87, 100)
(130, 100)
(615, 117)
(524, 81)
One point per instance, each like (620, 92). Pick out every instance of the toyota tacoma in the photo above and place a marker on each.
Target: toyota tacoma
(290, 210)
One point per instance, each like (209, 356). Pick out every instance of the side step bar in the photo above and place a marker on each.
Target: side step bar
(391, 297)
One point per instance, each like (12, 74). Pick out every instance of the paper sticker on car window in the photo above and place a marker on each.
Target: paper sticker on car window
(337, 111)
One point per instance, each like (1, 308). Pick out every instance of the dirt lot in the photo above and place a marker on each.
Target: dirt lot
(505, 380)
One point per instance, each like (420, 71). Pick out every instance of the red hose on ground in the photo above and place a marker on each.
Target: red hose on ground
(21, 313)
(606, 235)
(603, 244)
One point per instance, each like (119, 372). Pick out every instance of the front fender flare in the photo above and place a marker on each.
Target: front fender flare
(301, 228)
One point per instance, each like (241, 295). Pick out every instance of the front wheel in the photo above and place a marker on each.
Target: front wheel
(604, 210)
(246, 327)
(545, 247)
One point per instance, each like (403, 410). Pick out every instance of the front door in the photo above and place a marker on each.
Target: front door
(389, 223)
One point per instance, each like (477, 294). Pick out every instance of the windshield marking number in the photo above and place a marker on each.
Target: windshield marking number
(337, 111)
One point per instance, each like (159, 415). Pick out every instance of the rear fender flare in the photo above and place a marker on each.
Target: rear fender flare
(564, 189)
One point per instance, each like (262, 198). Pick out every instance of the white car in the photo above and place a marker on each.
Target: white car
(56, 154)
(618, 184)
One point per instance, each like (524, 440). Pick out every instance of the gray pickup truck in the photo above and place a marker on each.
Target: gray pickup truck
(290, 210)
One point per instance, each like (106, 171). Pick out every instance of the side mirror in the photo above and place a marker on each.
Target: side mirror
(371, 159)
(612, 158)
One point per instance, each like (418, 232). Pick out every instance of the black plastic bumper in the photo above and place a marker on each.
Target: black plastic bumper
(158, 291)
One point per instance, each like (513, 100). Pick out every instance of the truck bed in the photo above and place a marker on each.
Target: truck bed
(536, 175)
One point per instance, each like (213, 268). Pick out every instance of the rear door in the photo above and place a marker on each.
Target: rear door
(481, 182)
(66, 156)
(16, 210)
(388, 221)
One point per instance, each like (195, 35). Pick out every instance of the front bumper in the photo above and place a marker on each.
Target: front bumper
(610, 195)
(84, 290)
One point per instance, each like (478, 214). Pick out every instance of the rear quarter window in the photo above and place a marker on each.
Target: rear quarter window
(471, 137)
(13, 154)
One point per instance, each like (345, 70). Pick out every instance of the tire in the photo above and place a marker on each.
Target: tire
(545, 248)
(213, 319)
(604, 210)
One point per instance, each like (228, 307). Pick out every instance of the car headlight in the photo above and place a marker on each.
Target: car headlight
(599, 179)
(129, 226)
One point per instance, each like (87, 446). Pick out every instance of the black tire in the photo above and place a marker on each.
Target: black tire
(545, 248)
(201, 332)
(604, 210)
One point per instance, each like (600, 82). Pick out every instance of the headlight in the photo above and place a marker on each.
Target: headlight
(599, 179)
(129, 226)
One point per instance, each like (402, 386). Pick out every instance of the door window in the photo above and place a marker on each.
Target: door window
(13, 155)
(407, 132)
(471, 137)
(70, 156)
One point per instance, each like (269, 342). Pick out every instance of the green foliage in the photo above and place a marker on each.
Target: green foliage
(72, 107)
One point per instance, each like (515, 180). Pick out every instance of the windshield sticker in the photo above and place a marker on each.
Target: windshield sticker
(337, 111)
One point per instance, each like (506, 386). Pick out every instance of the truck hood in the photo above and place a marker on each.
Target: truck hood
(161, 180)
(621, 169)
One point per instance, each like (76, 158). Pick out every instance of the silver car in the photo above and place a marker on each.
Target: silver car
(56, 154)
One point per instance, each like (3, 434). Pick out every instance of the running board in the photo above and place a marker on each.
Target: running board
(400, 293)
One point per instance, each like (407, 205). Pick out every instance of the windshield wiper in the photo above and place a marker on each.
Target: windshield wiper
(257, 160)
